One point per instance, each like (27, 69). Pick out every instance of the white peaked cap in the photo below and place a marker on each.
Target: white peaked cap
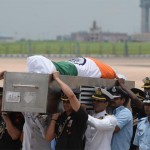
(40, 64)
(146, 101)
(104, 91)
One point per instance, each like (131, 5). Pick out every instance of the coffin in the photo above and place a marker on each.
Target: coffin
(32, 92)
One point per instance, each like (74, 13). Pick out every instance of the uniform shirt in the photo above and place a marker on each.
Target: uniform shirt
(136, 118)
(122, 139)
(70, 130)
(34, 132)
(142, 136)
(99, 131)
(6, 142)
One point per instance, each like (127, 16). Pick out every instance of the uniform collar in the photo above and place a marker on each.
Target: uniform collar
(118, 109)
(100, 114)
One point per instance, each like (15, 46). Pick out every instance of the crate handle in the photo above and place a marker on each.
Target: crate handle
(21, 85)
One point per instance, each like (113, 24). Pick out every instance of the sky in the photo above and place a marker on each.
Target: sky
(45, 19)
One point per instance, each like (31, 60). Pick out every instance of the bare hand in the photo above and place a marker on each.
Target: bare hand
(121, 81)
(55, 116)
(56, 75)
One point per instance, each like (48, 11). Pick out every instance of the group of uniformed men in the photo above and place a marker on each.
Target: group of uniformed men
(110, 127)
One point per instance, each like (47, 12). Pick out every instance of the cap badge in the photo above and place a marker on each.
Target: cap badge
(98, 91)
(146, 80)
(147, 95)
(114, 89)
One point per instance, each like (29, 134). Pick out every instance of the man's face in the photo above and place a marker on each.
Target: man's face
(67, 106)
(147, 108)
(99, 106)
(117, 102)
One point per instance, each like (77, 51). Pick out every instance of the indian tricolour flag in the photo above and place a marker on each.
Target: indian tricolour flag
(81, 66)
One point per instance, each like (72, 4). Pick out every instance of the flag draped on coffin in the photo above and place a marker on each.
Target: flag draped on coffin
(81, 66)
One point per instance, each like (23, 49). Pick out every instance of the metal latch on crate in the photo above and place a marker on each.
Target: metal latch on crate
(23, 85)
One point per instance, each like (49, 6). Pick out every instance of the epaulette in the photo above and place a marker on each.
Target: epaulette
(103, 116)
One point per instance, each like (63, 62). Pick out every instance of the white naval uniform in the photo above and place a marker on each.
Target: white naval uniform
(34, 132)
(99, 131)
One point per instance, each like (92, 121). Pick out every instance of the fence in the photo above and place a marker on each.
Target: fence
(22, 48)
